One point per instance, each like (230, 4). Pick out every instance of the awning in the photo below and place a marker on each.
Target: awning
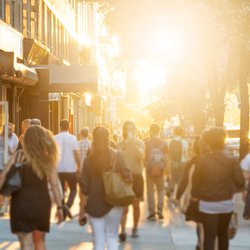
(24, 75)
(73, 78)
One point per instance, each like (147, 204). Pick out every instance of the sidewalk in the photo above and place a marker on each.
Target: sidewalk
(172, 233)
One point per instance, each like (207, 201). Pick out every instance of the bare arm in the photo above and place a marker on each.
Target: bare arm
(77, 159)
(54, 183)
(6, 169)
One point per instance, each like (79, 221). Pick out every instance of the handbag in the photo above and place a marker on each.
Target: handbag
(13, 178)
(192, 212)
(233, 226)
(118, 192)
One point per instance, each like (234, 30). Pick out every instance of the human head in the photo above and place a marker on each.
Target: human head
(154, 130)
(215, 138)
(179, 131)
(25, 125)
(41, 150)
(11, 128)
(128, 127)
(84, 133)
(64, 125)
(35, 121)
(100, 141)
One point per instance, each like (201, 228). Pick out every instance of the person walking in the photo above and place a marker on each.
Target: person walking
(216, 178)
(155, 163)
(132, 149)
(69, 164)
(31, 206)
(25, 126)
(178, 155)
(104, 218)
(84, 145)
(12, 147)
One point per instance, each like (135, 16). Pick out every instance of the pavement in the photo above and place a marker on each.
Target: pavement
(173, 233)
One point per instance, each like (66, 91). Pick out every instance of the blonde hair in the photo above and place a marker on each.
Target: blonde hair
(41, 150)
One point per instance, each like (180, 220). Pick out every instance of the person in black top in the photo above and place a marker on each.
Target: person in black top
(104, 218)
(31, 206)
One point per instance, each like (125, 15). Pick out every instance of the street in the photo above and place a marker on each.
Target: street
(172, 233)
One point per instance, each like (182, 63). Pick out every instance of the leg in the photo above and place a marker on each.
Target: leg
(98, 231)
(150, 195)
(39, 240)
(62, 181)
(124, 220)
(112, 221)
(224, 220)
(210, 224)
(136, 212)
(72, 182)
(26, 241)
(160, 194)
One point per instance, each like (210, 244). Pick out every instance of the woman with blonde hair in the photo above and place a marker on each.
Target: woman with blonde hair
(31, 205)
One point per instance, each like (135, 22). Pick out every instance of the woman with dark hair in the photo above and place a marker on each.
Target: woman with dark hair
(216, 178)
(104, 218)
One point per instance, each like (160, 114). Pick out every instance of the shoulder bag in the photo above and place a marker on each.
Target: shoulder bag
(118, 192)
(13, 178)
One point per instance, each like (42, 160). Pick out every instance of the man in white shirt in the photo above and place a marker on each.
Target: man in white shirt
(69, 163)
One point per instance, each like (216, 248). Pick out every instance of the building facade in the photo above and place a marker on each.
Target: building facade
(41, 40)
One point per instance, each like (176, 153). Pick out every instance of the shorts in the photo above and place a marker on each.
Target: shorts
(138, 186)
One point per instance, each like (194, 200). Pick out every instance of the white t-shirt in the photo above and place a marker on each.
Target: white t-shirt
(12, 144)
(245, 163)
(67, 144)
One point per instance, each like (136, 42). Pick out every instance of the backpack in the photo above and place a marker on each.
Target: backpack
(175, 150)
(156, 162)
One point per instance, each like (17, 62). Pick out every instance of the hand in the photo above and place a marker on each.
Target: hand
(244, 196)
(59, 216)
(82, 219)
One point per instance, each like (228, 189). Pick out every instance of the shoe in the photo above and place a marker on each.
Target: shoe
(67, 212)
(135, 233)
(151, 217)
(160, 216)
(122, 237)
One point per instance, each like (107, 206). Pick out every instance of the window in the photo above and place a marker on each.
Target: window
(8, 12)
(16, 14)
(25, 17)
(32, 18)
(49, 27)
(2, 10)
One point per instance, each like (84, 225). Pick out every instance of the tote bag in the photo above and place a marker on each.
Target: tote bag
(118, 192)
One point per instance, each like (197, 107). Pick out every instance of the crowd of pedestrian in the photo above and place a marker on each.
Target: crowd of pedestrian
(55, 169)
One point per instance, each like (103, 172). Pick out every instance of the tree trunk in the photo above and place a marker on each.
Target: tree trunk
(244, 99)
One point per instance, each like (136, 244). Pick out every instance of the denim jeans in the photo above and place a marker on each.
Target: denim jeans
(159, 183)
